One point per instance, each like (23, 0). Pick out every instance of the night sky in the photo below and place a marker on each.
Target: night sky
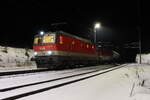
(21, 20)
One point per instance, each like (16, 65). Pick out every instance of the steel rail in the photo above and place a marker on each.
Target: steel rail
(57, 85)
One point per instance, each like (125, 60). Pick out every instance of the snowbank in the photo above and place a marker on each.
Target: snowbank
(145, 58)
(141, 85)
(15, 57)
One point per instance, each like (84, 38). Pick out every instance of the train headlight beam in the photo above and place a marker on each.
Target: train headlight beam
(49, 52)
(35, 53)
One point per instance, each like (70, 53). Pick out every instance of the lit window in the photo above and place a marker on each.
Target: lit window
(47, 39)
(92, 46)
(87, 46)
(50, 38)
(36, 40)
(61, 40)
(73, 42)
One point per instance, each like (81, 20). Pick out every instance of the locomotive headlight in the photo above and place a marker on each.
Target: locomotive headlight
(49, 52)
(35, 53)
(42, 33)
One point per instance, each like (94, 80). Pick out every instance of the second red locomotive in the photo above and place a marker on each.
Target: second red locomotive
(57, 50)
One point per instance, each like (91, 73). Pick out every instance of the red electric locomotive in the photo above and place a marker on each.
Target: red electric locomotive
(57, 50)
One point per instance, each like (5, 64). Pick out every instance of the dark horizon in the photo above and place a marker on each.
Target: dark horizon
(23, 20)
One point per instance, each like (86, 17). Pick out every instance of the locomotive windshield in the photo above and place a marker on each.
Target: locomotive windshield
(47, 38)
(37, 40)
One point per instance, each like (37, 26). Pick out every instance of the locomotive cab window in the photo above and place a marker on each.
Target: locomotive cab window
(37, 40)
(49, 38)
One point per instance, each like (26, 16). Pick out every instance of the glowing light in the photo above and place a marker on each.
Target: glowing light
(35, 53)
(42, 32)
(97, 25)
(49, 52)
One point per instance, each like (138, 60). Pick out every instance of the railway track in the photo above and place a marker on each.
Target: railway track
(20, 91)
(22, 72)
(28, 71)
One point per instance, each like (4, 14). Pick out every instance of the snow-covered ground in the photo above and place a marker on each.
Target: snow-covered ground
(122, 84)
(131, 82)
(12, 81)
(15, 57)
(145, 58)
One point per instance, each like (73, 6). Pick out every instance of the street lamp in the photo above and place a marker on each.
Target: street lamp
(96, 27)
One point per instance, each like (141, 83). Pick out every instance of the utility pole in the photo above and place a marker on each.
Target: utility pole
(140, 48)
(139, 28)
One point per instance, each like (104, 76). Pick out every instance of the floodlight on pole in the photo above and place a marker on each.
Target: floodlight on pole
(96, 26)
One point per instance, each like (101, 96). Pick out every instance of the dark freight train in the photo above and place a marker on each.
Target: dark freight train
(57, 50)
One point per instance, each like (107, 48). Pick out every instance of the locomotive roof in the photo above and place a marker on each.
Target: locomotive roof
(65, 33)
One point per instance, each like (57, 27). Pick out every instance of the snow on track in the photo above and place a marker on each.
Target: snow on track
(44, 85)
(114, 85)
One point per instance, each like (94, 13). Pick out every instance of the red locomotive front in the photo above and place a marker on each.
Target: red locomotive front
(59, 48)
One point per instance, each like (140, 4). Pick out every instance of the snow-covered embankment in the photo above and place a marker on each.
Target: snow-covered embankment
(16, 57)
(145, 58)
